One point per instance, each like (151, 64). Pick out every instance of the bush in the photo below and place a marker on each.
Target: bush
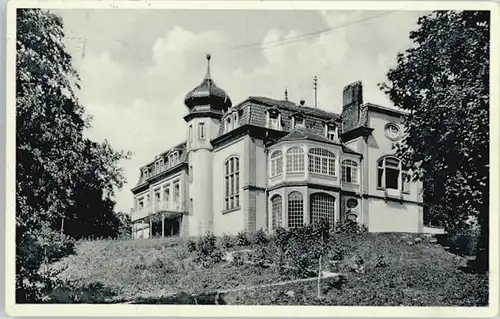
(207, 251)
(349, 227)
(281, 238)
(242, 239)
(227, 241)
(259, 237)
(191, 246)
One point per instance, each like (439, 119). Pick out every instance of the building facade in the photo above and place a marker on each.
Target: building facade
(266, 163)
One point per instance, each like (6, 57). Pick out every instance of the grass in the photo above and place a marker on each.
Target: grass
(416, 273)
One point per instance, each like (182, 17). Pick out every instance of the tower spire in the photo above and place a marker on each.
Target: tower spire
(208, 76)
(315, 88)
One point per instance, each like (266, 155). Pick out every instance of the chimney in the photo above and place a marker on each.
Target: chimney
(352, 98)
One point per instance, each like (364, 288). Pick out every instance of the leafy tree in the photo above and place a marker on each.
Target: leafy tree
(55, 163)
(443, 81)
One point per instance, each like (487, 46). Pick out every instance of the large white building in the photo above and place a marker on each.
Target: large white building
(264, 163)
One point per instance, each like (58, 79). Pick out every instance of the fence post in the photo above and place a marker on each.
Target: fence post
(319, 277)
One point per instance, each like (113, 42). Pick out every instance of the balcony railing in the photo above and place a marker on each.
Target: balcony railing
(158, 207)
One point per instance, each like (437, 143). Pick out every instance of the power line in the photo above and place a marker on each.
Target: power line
(275, 43)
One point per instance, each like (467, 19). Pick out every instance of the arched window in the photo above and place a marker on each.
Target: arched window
(321, 161)
(276, 163)
(349, 171)
(322, 208)
(391, 174)
(295, 160)
(295, 210)
(277, 211)
(232, 183)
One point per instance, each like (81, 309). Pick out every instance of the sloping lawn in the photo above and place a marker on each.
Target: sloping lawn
(397, 269)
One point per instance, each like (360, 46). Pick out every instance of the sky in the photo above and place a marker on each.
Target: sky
(136, 66)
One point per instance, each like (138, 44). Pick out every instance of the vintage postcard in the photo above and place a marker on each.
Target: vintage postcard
(252, 158)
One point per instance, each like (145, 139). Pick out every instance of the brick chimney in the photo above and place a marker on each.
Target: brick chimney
(352, 98)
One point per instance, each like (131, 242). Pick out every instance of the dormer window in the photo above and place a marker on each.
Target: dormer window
(298, 120)
(159, 165)
(273, 119)
(235, 120)
(228, 125)
(331, 132)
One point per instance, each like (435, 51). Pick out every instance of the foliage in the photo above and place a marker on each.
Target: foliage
(207, 251)
(191, 245)
(259, 237)
(443, 83)
(349, 227)
(58, 170)
(242, 238)
(227, 241)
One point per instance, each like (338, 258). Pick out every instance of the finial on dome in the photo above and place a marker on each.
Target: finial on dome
(302, 102)
(208, 76)
(286, 94)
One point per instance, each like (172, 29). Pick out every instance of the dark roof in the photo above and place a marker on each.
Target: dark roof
(301, 134)
(252, 111)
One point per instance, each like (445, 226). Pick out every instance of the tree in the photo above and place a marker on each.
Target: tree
(443, 81)
(53, 157)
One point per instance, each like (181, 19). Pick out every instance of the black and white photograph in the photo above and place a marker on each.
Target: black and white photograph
(222, 154)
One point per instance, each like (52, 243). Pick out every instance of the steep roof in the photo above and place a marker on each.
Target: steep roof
(302, 134)
(252, 111)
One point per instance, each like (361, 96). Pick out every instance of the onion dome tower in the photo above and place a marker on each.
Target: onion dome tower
(206, 103)
(207, 97)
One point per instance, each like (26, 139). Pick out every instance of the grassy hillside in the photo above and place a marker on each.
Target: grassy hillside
(396, 269)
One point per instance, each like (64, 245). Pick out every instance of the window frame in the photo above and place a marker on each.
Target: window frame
(382, 177)
(314, 205)
(388, 132)
(354, 170)
(231, 184)
(295, 162)
(322, 162)
(296, 215)
(276, 216)
(276, 163)
(201, 131)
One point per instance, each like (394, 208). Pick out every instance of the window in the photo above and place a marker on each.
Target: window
(331, 132)
(321, 161)
(352, 203)
(177, 193)
(276, 209)
(295, 210)
(276, 163)
(295, 160)
(273, 119)
(298, 122)
(349, 171)
(157, 195)
(159, 165)
(140, 203)
(148, 199)
(190, 133)
(166, 193)
(392, 131)
(228, 124)
(390, 174)
(191, 173)
(235, 120)
(322, 208)
(351, 216)
(406, 182)
(232, 183)
(201, 130)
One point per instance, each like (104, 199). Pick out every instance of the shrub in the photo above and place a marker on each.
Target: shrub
(207, 251)
(242, 239)
(226, 241)
(259, 237)
(281, 238)
(191, 245)
(349, 227)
